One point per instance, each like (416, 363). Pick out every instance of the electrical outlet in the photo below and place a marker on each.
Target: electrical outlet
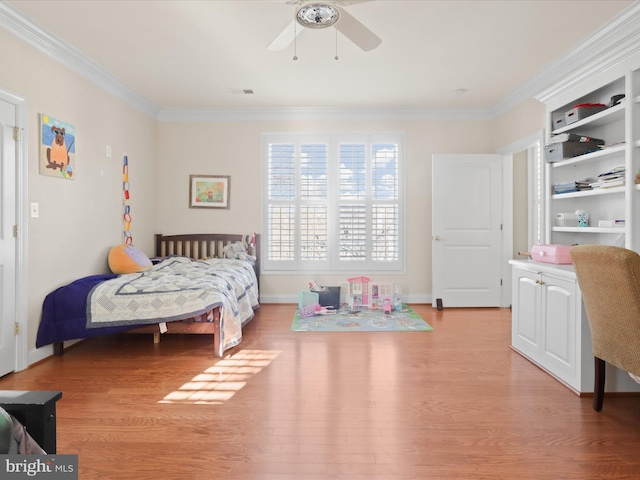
(108, 151)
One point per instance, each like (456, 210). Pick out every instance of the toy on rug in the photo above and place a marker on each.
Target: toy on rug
(386, 306)
(237, 250)
(315, 309)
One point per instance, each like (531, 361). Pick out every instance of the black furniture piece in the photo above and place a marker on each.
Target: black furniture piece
(37, 411)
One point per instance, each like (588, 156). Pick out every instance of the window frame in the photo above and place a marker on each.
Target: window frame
(333, 265)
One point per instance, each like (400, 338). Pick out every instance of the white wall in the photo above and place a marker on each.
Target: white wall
(80, 219)
(233, 148)
(519, 122)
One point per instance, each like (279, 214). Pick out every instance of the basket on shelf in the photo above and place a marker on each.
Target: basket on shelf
(559, 151)
(569, 219)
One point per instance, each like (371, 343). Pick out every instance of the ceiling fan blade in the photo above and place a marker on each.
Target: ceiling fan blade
(355, 31)
(346, 3)
(286, 37)
(338, 2)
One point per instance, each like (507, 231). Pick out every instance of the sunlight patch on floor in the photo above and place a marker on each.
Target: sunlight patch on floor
(221, 381)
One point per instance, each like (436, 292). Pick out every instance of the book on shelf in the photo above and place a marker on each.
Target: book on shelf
(575, 186)
(612, 178)
(614, 172)
(572, 137)
(616, 182)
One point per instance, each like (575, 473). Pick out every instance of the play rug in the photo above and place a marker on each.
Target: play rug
(347, 320)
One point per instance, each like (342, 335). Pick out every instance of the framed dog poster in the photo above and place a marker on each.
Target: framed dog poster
(209, 191)
(57, 148)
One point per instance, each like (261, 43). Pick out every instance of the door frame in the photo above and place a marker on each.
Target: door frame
(507, 210)
(21, 198)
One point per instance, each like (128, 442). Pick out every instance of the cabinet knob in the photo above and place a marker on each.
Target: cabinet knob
(436, 237)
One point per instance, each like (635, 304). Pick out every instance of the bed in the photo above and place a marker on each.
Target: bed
(206, 294)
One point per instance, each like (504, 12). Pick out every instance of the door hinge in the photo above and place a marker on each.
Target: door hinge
(15, 231)
(16, 328)
(16, 133)
(500, 227)
(500, 282)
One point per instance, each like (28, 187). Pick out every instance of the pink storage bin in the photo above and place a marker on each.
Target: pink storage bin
(558, 254)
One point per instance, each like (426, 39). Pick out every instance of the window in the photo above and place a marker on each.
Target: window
(333, 203)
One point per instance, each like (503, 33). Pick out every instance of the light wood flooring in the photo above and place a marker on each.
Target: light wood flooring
(454, 403)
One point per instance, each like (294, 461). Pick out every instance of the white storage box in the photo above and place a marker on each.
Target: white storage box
(581, 111)
(611, 223)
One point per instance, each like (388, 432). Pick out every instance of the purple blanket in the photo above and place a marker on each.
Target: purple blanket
(64, 313)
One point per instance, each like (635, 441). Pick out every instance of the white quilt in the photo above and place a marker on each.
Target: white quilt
(175, 289)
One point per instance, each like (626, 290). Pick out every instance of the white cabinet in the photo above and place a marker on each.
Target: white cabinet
(548, 325)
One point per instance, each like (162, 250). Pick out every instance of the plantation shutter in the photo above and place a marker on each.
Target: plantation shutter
(333, 204)
(313, 202)
(281, 203)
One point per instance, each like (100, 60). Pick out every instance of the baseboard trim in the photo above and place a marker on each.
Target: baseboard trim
(293, 298)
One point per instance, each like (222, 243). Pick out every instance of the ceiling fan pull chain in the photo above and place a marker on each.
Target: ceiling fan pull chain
(295, 42)
(336, 57)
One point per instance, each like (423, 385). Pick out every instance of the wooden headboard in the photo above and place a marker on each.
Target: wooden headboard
(205, 245)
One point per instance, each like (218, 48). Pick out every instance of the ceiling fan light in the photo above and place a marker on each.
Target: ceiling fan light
(317, 15)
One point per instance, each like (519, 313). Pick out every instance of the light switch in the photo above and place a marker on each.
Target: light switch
(107, 151)
(35, 210)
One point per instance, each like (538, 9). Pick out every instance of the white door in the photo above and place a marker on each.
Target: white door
(467, 230)
(7, 240)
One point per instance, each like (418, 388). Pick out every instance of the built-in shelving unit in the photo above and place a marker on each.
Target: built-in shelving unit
(549, 324)
(610, 203)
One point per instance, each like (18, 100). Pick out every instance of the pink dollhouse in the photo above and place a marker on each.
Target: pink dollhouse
(380, 293)
(358, 292)
(365, 293)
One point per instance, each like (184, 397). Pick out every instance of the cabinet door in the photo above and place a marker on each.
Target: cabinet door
(525, 328)
(559, 327)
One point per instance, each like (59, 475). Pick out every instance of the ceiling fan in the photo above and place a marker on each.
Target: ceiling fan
(322, 14)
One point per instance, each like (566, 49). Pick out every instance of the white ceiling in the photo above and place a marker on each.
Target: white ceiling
(184, 54)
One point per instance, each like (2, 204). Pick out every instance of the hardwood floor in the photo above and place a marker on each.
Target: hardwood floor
(453, 403)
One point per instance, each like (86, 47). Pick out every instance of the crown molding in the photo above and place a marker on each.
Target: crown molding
(608, 47)
(35, 35)
(613, 43)
(292, 113)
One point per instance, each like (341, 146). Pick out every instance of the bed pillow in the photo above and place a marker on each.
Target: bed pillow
(128, 259)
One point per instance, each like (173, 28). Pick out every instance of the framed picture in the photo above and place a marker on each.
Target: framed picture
(57, 148)
(209, 191)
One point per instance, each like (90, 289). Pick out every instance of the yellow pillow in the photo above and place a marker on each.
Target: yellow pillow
(128, 259)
